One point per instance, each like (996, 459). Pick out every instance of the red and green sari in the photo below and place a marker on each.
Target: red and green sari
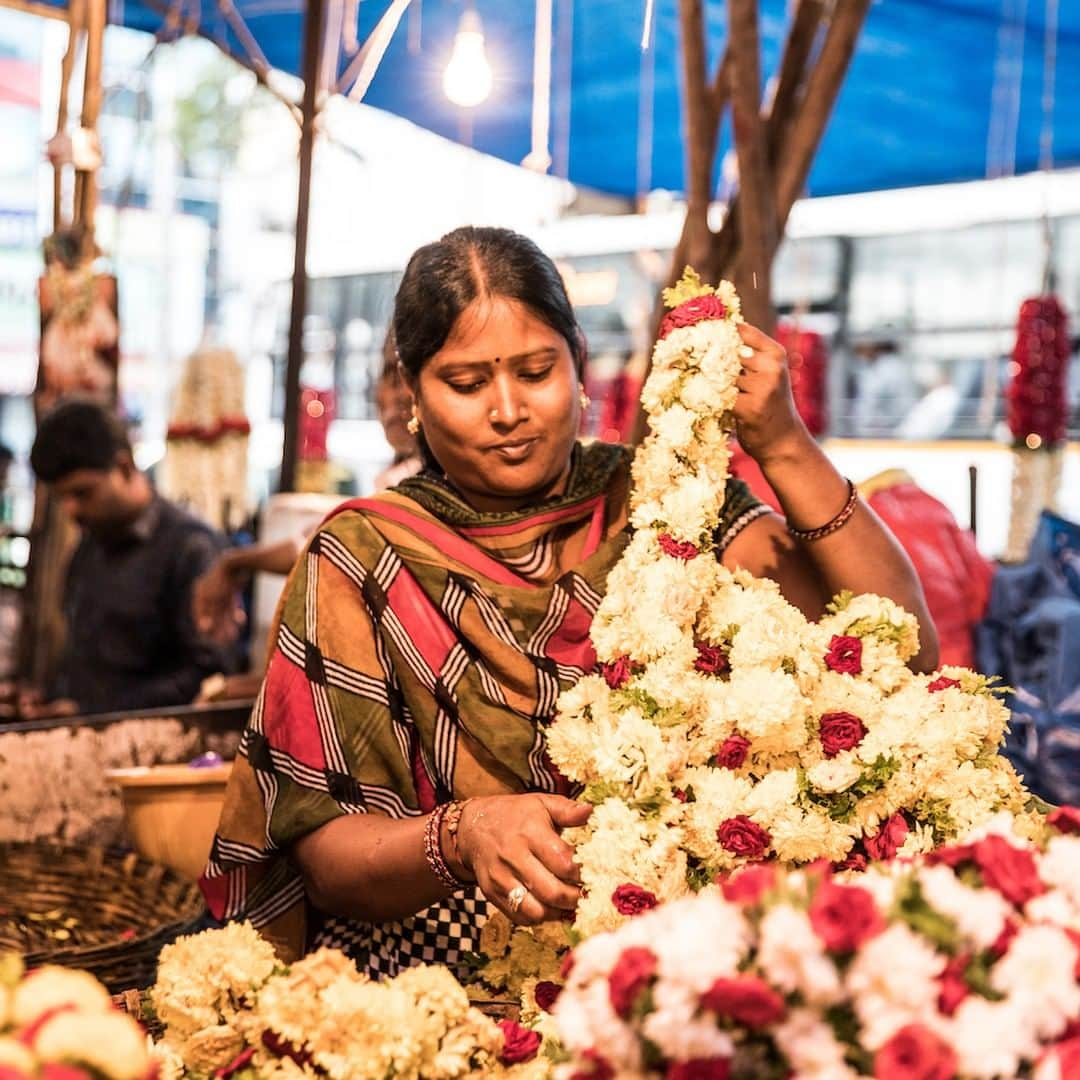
(418, 654)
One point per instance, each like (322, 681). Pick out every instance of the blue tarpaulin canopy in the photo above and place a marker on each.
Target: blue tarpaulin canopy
(938, 90)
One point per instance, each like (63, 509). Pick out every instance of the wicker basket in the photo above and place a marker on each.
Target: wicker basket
(106, 911)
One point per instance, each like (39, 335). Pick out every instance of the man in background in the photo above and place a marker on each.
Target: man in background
(884, 388)
(131, 642)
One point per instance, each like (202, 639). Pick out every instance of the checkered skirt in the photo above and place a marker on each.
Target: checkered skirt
(445, 933)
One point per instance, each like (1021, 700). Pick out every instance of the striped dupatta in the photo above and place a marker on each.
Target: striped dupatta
(419, 650)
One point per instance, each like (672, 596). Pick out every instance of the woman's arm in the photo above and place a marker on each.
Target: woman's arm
(862, 555)
(373, 868)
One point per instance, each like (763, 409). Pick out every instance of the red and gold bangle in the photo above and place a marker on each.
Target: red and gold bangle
(433, 846)
(837, 522)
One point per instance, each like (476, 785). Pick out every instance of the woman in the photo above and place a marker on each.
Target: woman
(426, 634)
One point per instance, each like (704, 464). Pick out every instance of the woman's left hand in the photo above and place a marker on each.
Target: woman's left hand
(767, 423)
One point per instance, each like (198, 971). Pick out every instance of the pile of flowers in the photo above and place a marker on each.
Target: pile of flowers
(57, 1024)
(962, 963)
(231, 1010)
(725, 728)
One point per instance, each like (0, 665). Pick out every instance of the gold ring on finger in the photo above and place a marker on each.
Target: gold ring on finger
(516, 897)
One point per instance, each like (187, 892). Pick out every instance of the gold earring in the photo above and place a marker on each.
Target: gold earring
(585, 400)
(413, 426)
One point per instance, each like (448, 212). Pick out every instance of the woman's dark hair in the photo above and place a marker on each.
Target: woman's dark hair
(443, 278)
(77, 435)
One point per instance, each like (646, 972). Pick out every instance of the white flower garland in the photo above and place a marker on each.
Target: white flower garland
(725, 727)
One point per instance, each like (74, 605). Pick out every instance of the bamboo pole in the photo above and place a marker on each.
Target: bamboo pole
(798, 50)
(86, 180)
(314, 27)
(76, 18)
(697, 114)
(793, 66)
(757, 203)
(822, 87)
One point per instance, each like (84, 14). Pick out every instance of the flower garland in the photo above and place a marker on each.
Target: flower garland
(963, 963)
(57, 1024)
(205, 465)
(231, 1010)
(723, 727)
(1037, 410)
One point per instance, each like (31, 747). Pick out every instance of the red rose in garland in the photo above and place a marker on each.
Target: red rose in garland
(546, 994)
(746, 999)
(844, 655)
(699, 1069)
(742, 836)
(693, 311)
(633, 899)
(840, 731)
(749, 884)
(915, 1053)
(1010, 870)
(732, 751)
(519, 1043)
(1066, 819)
(677, 549)
(633, 971)
(617, 673)
(889, 838)
(844, 916)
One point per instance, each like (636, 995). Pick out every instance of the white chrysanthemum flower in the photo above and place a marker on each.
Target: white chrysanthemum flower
(811, 1048)
(870, 616)
(979, 914)
(990, 1038)
(203, 978)
(681, 926)
(835, 774)
(767, 707)
(1040, 967)
(110, 1043)
(51, 988)
(674, 427)
(586, 1020)
(893, 982)
(1060, 866)
(801, 836)
(793, 958)
(678, 1027)
(662, 385)
(691, 508)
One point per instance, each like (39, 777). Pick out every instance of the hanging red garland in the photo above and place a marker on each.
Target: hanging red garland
(1036, 397)
(317, 409)
(808, 361)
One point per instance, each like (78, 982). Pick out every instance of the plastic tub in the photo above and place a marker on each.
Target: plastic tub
(171, 812)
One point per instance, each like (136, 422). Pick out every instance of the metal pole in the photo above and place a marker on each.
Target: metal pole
(314, 23)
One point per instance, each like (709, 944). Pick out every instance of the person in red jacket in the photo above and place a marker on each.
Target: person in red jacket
(955, 576)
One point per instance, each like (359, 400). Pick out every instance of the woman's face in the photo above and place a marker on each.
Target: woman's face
(498, 405)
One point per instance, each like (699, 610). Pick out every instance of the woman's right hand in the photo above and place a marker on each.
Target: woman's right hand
(507, 841)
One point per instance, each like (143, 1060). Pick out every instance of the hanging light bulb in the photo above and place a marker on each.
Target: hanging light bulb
(467, 79)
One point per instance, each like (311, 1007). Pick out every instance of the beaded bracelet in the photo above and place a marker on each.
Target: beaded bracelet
(433, 848)
(837, 522)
